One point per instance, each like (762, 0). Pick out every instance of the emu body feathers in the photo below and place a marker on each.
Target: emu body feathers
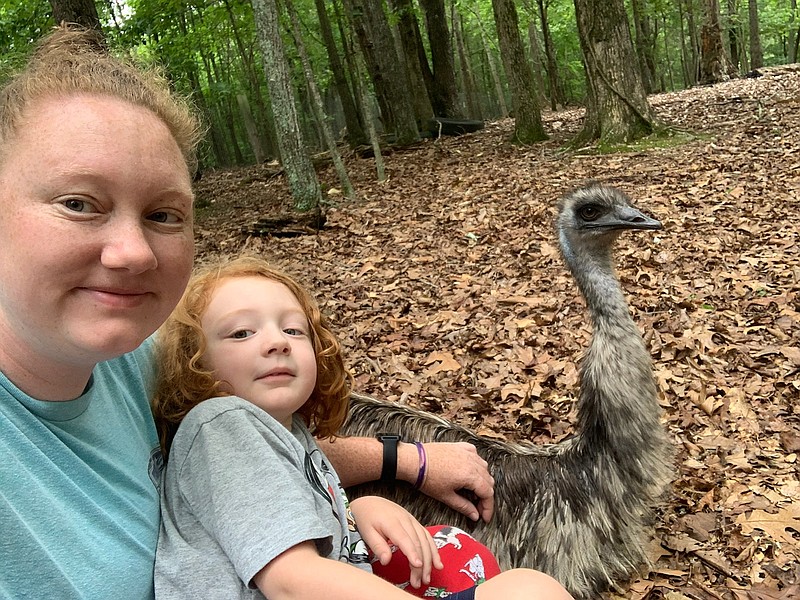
(579, 510)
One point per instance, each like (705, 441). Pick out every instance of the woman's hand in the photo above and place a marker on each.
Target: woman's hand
(381, 522)
(452, 467)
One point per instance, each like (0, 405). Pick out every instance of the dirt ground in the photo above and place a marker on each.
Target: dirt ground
(446, 287)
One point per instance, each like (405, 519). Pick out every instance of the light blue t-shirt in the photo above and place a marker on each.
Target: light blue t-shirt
(79, 504)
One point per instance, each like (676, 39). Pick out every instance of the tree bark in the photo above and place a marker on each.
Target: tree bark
(82, 12)
(387, 72)
(733, 34)
(556, 95)
(470, 89)
(537, 65)
(355, 129)
(617, 109)
(644, 45)
(756, 54)
(794, 34)
(299, 169)
(528, 127)
(445, 93)
(316, 104)
(714, 63)
(416, 61)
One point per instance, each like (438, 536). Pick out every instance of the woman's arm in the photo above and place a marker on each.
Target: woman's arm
(300, 573)
(451, 467)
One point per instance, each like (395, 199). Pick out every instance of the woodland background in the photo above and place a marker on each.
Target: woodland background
(437, 262)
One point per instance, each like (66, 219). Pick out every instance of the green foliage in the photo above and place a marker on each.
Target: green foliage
(21, 24)
(209, 49)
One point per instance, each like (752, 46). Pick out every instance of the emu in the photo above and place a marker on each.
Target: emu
(579, 509)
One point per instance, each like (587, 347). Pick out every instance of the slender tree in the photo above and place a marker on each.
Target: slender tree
(617, 109)
(387, 72)
(355, 129)
(556, 94)
(444, 95)
(794, 33)
(297, 165)
(714, 63)
(644, 44)
(420, 78)
(756, 53)
(528, 127)
(316, 104)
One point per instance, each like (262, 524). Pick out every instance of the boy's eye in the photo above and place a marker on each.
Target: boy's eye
(294, 331)
(241, 334)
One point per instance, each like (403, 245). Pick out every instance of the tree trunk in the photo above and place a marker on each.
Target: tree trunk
(714, 63)
(388, 73)
(470, 89)
(316, 105)
(537, 65)
(250, 127)
(410, 40)
(556, 95)
(617, 109)
(82, 12)
(495, 76)
(644, 45)
(445, 93)
(794, 34)
(300, 172)
(733, 34)
(691, 58)
(756, 54)
(264, 116)
(355, 129)
(528, 127)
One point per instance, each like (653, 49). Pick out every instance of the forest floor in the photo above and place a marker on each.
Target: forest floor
(448, 292)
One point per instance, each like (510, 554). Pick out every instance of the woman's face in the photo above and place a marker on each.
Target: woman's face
(95, 232)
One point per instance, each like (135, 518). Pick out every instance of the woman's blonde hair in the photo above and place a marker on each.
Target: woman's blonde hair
(184, 382)
(74, 60)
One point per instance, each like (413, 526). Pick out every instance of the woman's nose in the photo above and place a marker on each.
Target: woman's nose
(128, 247)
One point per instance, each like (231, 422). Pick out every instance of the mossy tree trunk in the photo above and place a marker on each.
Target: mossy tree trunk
(302, 177)
(617, 109)
(528, 127)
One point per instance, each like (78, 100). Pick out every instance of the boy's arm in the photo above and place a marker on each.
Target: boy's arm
(451, 467)
(300, 573)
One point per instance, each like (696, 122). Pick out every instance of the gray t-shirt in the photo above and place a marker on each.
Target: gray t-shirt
(239, 489)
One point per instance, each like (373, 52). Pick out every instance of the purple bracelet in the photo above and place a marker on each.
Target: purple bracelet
(423, 465)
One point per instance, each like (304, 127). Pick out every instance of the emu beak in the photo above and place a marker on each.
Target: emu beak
(629, 217)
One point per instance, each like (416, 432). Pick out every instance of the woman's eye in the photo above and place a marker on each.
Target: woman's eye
(163, 216)
(77, 205)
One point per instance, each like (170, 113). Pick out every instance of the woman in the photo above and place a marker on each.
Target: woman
(95, 251)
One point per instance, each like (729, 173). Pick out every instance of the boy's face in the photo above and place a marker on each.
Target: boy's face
(259, 345)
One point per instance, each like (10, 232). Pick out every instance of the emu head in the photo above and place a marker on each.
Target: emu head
(592, 217)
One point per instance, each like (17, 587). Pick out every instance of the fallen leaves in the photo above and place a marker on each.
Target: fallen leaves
(447, 290)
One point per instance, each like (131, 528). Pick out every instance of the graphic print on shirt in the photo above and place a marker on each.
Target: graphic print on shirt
(325, 483)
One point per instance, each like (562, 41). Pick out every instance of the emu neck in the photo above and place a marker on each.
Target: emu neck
(618, 402)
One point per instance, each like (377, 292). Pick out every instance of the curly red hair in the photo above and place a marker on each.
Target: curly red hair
(184, 382)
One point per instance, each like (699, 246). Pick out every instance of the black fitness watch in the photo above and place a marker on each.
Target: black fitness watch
(389, 468)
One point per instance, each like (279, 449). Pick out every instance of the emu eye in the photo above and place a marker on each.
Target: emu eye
(589, 212)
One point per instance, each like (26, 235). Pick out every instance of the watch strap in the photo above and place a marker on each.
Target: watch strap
(389, 466)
